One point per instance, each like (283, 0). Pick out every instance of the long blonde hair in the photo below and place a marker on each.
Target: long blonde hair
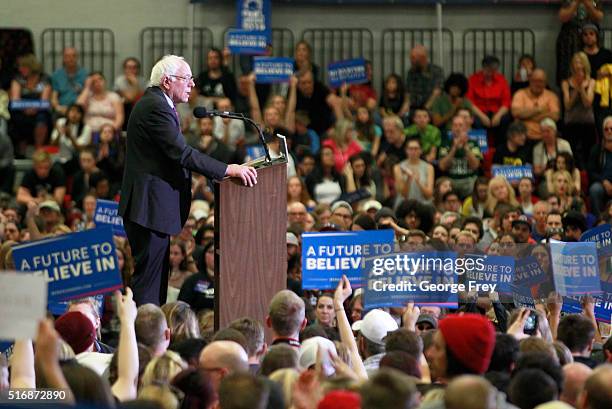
(492, 201)
(161, 369)
(581, 55)
(569, 180)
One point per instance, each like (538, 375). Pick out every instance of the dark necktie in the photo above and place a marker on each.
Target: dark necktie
(178, 118)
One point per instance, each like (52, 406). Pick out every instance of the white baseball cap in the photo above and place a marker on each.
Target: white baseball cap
(376, 325)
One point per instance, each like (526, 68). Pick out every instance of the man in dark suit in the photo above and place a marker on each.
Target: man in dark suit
(156, 189)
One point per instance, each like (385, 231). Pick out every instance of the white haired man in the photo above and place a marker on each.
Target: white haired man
(156, 189)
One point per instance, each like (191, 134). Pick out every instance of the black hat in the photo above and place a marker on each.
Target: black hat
(385, 212)
(522, 219)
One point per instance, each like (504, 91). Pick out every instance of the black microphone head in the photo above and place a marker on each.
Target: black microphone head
(200, 112)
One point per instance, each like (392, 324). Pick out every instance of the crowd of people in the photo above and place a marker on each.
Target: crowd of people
(408, 159)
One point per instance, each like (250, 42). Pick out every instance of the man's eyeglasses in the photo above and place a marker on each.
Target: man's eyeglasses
(188, 79)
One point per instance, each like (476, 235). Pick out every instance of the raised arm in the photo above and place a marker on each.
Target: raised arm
(124, 387)
(23, 374)
(291, 103)
(254, 101)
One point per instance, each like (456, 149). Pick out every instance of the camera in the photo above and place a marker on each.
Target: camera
(531, 324)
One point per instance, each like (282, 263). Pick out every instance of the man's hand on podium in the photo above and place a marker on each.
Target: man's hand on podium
(248, 174)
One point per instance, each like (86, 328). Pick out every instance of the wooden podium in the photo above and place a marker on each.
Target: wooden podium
(250, 244)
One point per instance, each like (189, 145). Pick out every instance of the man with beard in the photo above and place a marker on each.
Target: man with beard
(424, 80)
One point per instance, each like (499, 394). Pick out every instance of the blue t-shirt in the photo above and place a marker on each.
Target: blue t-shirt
(68, 87)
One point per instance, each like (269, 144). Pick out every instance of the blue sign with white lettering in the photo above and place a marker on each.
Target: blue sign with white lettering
(575, 268)
(513, 173)
(23, 104)
(603, 309)
(602, 237)
(528, 272)
(255, 15)
(270, 70)
(247, 42)
(107, 214)
(493, 270)
(479, 136)
(429, 277)
(327, 256)
(76, 265)
(347, 71)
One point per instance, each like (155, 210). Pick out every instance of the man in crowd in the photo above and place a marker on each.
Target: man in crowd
(533, 104)
(67, 82)
(152, 329)
(460, 159)
(600, 169)
(286, 318)
(316, 99)
(490, 92)
(222, 358)
(44, 181)
(513, 152)
(424, 80)
(395, 146)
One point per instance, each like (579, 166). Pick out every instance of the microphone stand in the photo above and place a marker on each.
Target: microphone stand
(261, 136)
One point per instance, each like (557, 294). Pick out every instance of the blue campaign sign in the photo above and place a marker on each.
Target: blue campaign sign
(513, 173)
(23, 104)
(255, 15)
(575, 268)
(528, 272)
(522, 296)
(60, 307)
(107, 214)
(395, 279)
(327, 256)
(241, 41)
(492, 270)
(603, 309)
(347, 71)
(270, 70)
(76, 265)
(480, 136)
(602, 237)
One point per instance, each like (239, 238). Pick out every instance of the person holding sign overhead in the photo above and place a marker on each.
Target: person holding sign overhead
(156, 189)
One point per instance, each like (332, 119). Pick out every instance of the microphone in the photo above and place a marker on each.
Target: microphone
(202, 112)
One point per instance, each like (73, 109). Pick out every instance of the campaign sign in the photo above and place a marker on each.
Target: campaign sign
(23, 302)
(522, 296)
(60, 307)
(107, 214)
(602, 237)
(255, 15)
(396, 279)
(493, 270)
(513, 173)
(23, 104)
(270, 70)
(247, 42)
(76, 265)
(347, 71)
(528, 272)
(480, 136)
(575, 268)
(327, 256)
(603, 309)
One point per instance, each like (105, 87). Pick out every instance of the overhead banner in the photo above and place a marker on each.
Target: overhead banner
(328, 256)
(75, 265)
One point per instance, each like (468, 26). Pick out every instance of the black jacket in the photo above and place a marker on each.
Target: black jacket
(156, 189)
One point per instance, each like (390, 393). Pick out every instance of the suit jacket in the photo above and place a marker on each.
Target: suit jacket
(156, 188)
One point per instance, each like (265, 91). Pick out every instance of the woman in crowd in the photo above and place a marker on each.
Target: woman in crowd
(563, 161)
(526, 65)
(71, 134)
(110, 152)
(30, 125)
(303, 59)
(102, 107)
(182, 322)
(446, 105)
(440, 232)
(326, 316)
(217, 81)
(80, 183)
(475, 204)
(414, 177)
(297, 192)
(342, 142)
(198, 290)
(324, 183)
(549, 147)
(394, 99)
(130, 85)
(442, 185)
(526, 198)
(578, 93)
(182, 267)
(563, 188)
(358, 174)
(499, 191)
(368, 133)
(278, 113)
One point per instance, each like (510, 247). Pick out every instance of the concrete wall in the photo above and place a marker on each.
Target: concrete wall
(126, 18)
